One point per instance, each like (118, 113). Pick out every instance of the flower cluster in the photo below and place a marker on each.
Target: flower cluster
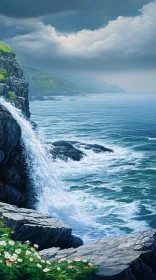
(22, 261)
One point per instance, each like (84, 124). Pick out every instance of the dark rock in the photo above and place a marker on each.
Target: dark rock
(141, 270)
(119, 258)
(96, 148)
(64, 151)
(14, 83)
(1, 156)
(14, 179)
(38, 228)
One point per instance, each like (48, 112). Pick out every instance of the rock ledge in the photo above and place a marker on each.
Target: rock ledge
(38, 228)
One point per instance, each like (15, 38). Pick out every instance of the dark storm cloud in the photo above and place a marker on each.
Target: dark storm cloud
(71, 14)
(126, 42)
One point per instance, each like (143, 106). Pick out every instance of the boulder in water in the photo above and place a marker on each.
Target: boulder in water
(96, 148)
(64, 151)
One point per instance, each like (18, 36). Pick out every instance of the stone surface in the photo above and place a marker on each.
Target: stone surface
(13, 168)
(13, 175)
(38, 228)
(64, 151)
(96, 148)
(126, 258)
(74, 150)
(14, 82)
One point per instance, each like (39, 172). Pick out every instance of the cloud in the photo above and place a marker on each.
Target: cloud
(71, 15)
(124, 42)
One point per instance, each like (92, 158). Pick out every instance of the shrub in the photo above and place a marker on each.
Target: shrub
(6, 48)
(11, 95)
(3, 75)
(22, 261)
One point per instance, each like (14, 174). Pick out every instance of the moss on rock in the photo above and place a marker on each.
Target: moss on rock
(6, 48)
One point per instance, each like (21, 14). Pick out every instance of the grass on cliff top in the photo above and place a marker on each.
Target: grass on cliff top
(6, 48)
(22, 261)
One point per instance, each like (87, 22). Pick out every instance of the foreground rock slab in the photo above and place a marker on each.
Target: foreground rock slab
(127, 258)
(38, 228)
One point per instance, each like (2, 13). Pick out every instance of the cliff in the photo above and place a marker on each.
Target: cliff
(13, 170)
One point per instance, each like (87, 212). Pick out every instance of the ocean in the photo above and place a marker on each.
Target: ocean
(114, 193)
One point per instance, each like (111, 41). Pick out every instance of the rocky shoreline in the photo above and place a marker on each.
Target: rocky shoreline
(127, 258)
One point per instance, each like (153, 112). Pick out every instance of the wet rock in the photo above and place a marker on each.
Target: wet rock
(38, 228)
(96, 148)
(1, 156)
(14, 179)
(64, 151)
(118, 257)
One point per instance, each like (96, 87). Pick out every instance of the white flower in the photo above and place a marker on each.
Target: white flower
(46, 269)
(18, 251)
(70, 266)
(36, 246)
(3, 243)
(28, 242)
(58, 268)
(69, 261)
(8, 263)
(7, 255)
(15, 255)
(48, 262)
(28, 253)
(77, 259)
(39, 265)
(31, 259)
(11, 242)
(1, 261)
(42, 261)
(13, 258)
(61, 260)
(19, 260)
(84, 260)
(38, 257)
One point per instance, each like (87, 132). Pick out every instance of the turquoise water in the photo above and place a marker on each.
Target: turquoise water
(116, 192)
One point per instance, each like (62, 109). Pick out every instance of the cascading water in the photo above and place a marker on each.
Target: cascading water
(52, 197)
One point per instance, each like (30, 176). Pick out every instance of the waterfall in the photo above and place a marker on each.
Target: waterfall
(52, 196)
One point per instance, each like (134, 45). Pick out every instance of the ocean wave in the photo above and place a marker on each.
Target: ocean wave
(151, 139)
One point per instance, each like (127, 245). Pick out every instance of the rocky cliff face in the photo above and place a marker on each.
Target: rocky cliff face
(13, 175)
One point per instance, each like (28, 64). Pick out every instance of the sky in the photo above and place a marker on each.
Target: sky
(111, 40)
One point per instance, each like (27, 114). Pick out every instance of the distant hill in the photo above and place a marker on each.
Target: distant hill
(42, 84)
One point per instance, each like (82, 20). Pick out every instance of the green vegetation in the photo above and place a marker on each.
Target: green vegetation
(22, 261)
(43, 84)
(3, 75)
(6, 48)
(11, 95)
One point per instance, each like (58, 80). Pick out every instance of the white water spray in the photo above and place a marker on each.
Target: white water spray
(52, 197)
